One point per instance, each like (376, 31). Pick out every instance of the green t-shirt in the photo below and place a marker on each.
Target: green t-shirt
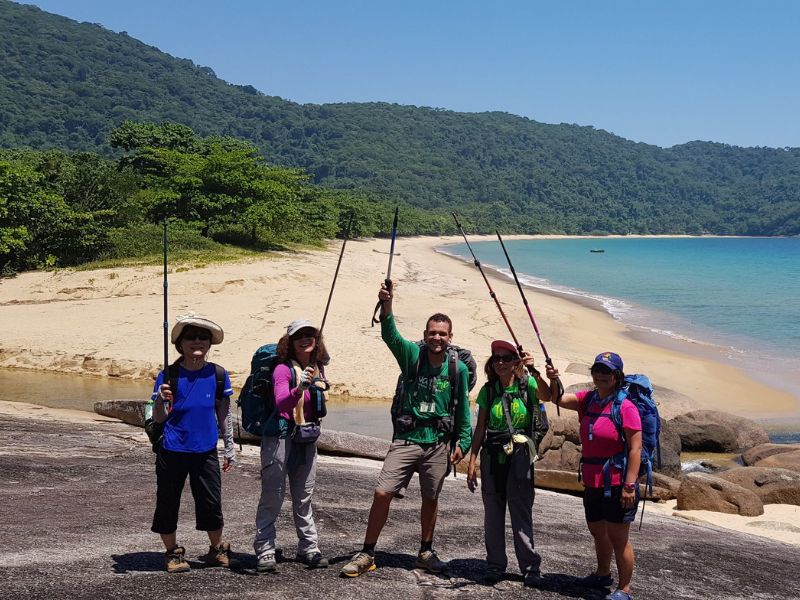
(429, 395)
(520, 417)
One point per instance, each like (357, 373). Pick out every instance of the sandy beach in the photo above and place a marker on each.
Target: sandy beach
(110, 322)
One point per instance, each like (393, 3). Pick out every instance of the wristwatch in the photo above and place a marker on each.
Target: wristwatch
(629, 487)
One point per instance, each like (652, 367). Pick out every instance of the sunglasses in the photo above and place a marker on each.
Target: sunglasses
(190, 337)
(601, 370)
(304, 334)
(504, 358)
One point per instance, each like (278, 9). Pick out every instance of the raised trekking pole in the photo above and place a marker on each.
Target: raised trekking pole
(388, 280)
(491, 291)
(336, 273)
(166, 313)
(547, 358)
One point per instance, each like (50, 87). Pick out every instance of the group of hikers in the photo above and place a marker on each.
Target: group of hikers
(432, 434)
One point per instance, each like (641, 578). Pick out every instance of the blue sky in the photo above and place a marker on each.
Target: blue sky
(664, 72)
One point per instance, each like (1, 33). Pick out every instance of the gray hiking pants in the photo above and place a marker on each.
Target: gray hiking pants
(279, 458)
(509, 484)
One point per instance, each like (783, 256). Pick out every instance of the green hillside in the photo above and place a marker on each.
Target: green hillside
(67, 85)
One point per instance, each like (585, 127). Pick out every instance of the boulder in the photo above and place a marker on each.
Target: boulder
(561, 481)
(701, 491)
(784, 460)
(715, 431)
(773, 486)
(670, 442)
(127, 411)
(664, 487)
(752, 455)
(344, 443)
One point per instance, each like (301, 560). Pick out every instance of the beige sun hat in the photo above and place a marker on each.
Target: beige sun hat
(181, 322)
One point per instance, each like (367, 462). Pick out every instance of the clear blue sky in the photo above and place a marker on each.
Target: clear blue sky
(658, 72)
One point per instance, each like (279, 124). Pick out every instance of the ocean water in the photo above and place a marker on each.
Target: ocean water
(737, 297)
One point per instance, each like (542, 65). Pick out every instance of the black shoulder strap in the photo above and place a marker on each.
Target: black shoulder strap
(455, 380)
(172, 379)
(219, 373)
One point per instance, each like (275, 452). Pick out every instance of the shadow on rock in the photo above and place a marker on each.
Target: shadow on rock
(134, 562)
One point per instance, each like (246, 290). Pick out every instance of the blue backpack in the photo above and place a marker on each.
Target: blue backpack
(639, 390)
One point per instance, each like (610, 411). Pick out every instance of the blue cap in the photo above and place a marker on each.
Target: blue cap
(610, 360)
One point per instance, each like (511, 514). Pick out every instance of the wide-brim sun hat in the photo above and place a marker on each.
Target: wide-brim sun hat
(182, 322)
(609, 359)
(299, 324)
(504, 345)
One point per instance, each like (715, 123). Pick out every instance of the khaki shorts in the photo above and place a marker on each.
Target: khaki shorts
(431, 461)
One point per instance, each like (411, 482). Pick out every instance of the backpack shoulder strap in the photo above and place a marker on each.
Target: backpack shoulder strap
(219, 376)
(172, 379)
(455, 380)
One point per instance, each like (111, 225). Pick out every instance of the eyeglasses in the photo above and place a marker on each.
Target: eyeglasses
(504, 358)
(190, 337)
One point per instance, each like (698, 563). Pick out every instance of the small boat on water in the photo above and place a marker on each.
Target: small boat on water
(597, 250)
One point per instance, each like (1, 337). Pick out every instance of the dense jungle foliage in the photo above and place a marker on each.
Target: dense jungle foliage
(66, 86)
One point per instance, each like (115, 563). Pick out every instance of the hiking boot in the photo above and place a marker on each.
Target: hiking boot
(493, 576)
(314, 560)
(359, 564)
(619, 595)
(176, 560)
(267, 564)
(596, 581)
(428, 561)
(533, 577)
(218, 556)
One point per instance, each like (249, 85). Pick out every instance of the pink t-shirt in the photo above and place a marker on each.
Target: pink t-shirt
(286, 398)
(605, 440)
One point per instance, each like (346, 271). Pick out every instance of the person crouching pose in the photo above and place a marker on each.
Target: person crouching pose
(511, 423)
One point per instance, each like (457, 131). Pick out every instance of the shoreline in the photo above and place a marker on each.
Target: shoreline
(109, 322)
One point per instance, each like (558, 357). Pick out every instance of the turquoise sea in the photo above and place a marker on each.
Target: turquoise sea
(737, 298)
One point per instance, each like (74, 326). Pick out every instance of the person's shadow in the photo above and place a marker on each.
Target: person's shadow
(135, 562)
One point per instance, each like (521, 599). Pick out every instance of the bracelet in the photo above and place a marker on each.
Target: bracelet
(629, 487)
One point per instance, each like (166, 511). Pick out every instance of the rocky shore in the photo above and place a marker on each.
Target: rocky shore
(77, 498)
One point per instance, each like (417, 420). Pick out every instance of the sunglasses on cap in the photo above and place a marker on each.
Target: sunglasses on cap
(504, 358)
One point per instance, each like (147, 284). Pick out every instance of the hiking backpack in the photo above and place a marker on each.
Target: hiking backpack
(639, 390)
(258, 413)
(257, 399)
(454, 354)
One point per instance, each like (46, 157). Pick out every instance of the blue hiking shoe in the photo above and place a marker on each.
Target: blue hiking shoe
(596, 581)
(619, 595)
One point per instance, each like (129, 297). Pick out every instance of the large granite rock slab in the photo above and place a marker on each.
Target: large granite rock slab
(752, 455)
(773, 486)
(702, 491)
(715, 431)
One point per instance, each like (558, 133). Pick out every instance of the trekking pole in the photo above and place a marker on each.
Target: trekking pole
(388, 280)
(336, 273)
(491, 291)
(547, 358)
(166, 313)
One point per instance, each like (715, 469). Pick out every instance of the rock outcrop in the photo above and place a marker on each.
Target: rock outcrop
(784, 460)
(752, 455)
(701, 491)
(773, 486)
(715, 431)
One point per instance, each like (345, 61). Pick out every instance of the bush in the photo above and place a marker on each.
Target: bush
(137, 241)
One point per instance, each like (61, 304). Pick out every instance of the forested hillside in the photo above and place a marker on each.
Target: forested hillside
(67, 85)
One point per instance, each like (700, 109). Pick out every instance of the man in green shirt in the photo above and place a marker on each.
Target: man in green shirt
(431, 414)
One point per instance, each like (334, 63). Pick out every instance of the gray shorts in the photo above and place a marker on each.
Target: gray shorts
(431, 461)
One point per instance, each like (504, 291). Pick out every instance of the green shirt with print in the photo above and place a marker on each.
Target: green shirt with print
(520, 417)
(428, 396)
